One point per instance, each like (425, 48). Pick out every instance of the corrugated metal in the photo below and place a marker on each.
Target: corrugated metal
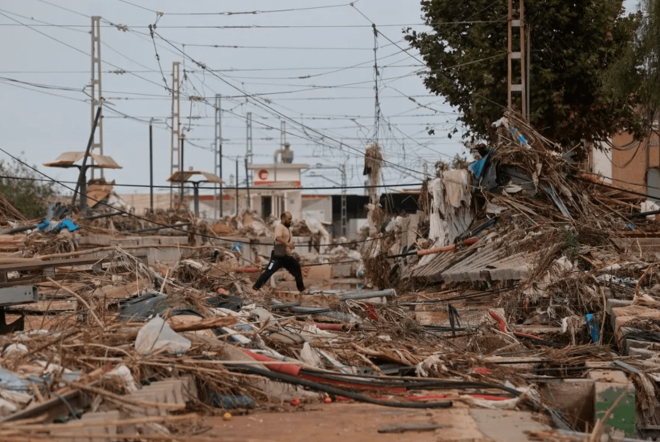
(489, 262)
(68, 159)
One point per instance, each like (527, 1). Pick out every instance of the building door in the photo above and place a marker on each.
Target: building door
(653, 184)
(266, 206)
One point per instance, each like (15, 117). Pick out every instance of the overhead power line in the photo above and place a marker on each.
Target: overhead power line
(252, 12)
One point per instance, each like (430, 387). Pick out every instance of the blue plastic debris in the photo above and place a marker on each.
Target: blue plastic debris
(44, 225)
(516, 133)
(594, 327)
(562, 208)
(238, 247)
(66, 223)
(477, 167)
(9, 381)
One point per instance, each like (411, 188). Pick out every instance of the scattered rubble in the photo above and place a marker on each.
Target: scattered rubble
(521, 285)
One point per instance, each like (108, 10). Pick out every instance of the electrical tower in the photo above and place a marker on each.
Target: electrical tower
(219, 197)
(97, 95)
(516, 55)
(175, 143)
(248, 146)
(344, 215)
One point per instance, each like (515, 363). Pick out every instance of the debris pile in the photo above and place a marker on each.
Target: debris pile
(522, 285)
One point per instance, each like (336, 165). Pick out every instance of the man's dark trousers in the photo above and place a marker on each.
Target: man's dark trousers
(288, 262)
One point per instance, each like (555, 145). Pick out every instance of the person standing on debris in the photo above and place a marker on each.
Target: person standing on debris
(281, 256)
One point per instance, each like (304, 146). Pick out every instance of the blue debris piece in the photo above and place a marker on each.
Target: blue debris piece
(562, 208)
(594, 327)
(477, 168)
(9, 381)
(44, 225)
(516, 133)
(66, 223)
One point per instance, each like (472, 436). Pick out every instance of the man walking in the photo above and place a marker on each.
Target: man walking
(281, 256)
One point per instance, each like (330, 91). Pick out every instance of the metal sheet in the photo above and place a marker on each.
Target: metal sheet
(18, 295)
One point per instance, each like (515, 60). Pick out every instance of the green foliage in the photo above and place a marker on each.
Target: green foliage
(572, 43)
(27, 195)
(637, 71)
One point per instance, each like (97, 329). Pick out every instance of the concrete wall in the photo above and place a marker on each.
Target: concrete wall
(631, 162)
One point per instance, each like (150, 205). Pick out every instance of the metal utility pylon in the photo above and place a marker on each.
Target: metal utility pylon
(248, 145)
(219, 198)
(344, 215)
(97, 95)
(516, 55)
(175, 136)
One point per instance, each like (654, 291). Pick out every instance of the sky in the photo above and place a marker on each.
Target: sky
(310, 63)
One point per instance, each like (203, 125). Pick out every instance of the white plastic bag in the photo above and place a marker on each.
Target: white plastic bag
(124, 375)
(158, 336)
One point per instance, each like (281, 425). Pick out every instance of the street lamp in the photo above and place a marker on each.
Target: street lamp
(183, 177)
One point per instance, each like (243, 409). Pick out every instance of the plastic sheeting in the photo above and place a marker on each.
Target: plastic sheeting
(452, 207)
(157, 336)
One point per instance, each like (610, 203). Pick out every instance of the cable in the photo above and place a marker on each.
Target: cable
(253, 188)
(336, 391)
(395, 165)
(123, 212)
(420, 61)
(615, 188)
(301, 48)
(253, 12)
(286, 117)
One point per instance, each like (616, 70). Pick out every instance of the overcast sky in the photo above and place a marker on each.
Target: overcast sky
(330, 47)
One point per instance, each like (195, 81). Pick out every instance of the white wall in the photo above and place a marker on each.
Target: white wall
(601, 162)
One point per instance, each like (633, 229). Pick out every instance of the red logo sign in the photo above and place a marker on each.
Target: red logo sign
(263, 174)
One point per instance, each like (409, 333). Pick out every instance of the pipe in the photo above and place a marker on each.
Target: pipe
(367, 295)
(339, 392)
(18, 229)
(424, 252)
(643, 214)
(153, 229)
(102, 215)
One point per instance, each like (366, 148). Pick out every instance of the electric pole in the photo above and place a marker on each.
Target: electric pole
(344, 215)
(248, 144)
(219, 197)
(97, 94)
(516, 55)
(175, 135)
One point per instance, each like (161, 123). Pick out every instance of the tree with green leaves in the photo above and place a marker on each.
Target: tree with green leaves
(23, 188)
(572, 44)
(637, 72)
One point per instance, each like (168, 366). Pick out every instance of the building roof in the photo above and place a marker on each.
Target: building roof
(278, 165)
